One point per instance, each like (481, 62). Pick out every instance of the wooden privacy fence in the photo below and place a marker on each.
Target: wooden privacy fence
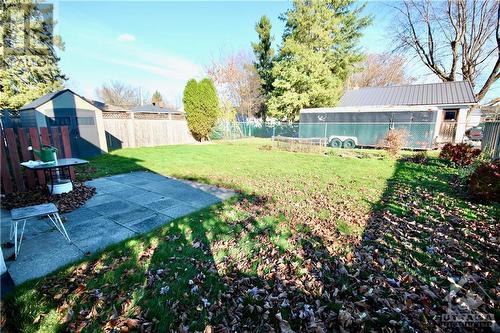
(143, 129)
(491, 139)
(14, 150)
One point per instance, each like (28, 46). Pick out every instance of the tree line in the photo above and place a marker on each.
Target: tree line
(316, 60)
(319, 57)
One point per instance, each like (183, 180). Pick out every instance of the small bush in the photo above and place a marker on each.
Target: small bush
(484, 183)
(266, 147)
(461, 154)
(394, 141)
(464, 173)
(420, 158)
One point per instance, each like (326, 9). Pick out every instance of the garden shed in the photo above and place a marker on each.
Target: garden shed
(66, 108)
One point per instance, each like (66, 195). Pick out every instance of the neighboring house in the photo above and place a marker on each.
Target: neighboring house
(66, 108)
(153, 108)
(106, 107)
(431, 113)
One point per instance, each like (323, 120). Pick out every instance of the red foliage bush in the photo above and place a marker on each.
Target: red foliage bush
(484, 183)
(461, 154)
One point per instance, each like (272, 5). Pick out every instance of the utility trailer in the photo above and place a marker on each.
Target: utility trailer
(350, 127)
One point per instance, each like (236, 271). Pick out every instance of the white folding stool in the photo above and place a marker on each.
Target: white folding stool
(25, 213)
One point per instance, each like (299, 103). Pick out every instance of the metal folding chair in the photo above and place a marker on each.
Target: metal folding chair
(23, 214)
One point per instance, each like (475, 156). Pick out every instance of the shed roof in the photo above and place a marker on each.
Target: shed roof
(45, 98)
(456, 92)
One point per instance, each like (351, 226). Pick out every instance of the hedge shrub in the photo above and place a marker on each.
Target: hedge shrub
(461, 154)
(484, 183)
(201, 105)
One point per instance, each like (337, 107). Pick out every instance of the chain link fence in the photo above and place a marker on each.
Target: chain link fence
(239, 130)
(419, 135)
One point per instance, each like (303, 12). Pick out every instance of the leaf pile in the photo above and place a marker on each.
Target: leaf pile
(66, 202)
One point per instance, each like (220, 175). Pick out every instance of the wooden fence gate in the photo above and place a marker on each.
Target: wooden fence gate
(14, 150)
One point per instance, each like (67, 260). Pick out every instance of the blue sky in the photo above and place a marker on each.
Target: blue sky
(159, 45)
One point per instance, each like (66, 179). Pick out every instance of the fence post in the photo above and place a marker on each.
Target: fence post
(54, 131)
(44, 131)
(14, 158)
(25, 154)
(6, 180)
(35, 142)
(67, 148)
(274, 131)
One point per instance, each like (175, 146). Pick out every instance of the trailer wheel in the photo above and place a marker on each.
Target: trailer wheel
(349, 144)
(335, 143)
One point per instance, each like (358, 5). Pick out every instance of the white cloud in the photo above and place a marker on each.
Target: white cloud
(126, 38)
(148, 66)
(152, 70)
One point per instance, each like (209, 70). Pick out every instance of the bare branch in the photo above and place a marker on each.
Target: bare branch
(237, 82)
(379, 70)
(453, 38)
(119, 94)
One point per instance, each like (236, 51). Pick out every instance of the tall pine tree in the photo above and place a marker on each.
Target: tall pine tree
(29, 62)
(318, 52)
(264, 54)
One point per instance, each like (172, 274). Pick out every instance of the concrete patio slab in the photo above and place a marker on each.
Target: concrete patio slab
(41, 255)
(146, 224)
(124, 206)
(162, 204)
(179, 211)
(144, 200)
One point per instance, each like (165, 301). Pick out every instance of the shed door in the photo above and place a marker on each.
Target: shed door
(85, 134)
(448, 125)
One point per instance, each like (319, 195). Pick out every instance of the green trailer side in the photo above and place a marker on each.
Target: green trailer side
(370, 133)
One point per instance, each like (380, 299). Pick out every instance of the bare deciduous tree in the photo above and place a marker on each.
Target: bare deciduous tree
(454, 39)
(119, 94)
(237, 82)
(380, 70)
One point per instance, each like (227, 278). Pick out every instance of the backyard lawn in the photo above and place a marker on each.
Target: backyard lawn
(312, 242)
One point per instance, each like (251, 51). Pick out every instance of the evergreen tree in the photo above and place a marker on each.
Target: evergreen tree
(28, 69)
(157, 99)
(264, 54)
(201, 105)
(318, 52)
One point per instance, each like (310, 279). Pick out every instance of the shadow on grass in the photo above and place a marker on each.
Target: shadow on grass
(243, 265)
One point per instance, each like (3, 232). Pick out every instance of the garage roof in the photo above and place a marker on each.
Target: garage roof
(457, 92)
(154, 108)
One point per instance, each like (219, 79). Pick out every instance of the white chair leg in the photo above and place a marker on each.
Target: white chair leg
(62, 226)
(11, 231)
(22, 235)
(17, 244)
(15, 239)
(56, 220)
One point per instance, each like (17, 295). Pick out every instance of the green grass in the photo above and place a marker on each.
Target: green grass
(296, 210)
(243, 165)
